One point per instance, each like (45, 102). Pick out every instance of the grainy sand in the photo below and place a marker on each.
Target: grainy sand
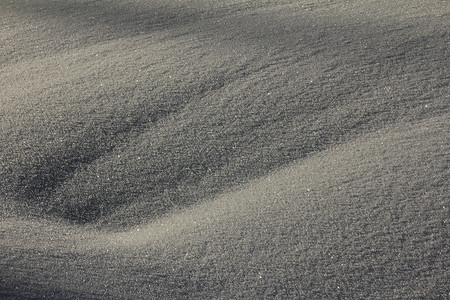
(224, 149)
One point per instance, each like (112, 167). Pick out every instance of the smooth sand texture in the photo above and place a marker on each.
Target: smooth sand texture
(224, 149)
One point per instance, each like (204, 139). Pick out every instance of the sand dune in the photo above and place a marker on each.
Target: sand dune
(359, 220)
(211, 149)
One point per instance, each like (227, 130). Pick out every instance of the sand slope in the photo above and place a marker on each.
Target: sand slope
(211, 149)
(367, 219)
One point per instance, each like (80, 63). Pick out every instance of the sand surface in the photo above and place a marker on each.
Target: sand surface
(224, 149)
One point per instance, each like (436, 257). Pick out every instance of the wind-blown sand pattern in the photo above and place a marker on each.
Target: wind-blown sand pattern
(224, 149)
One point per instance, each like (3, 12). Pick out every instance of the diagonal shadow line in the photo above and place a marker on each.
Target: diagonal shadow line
(38, 182)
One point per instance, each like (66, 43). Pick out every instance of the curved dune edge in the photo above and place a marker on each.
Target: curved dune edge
(366, 219)
(87, 84)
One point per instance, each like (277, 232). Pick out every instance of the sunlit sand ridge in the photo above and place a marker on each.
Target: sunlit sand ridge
(224, 149)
